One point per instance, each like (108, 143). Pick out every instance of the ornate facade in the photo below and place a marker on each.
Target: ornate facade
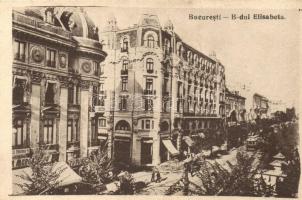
(55, 83)
(235, 107)
(158, 91)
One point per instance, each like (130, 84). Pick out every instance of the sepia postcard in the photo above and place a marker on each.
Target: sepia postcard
(165, 100)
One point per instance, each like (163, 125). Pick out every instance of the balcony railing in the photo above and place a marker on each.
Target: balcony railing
(150, 71)
(99, 109)
(39, 24)
(124, 72)
(103, 93)
(149, 92)
(124, 49)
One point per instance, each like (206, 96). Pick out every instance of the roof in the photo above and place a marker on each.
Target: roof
(279, 156)
(67, 177)
(149, 20)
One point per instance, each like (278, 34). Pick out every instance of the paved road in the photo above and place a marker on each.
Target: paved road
(172, 176)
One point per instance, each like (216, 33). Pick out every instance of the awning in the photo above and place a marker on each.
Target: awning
(101, 137)
(170, 147)
(188, 141)
(67, 177)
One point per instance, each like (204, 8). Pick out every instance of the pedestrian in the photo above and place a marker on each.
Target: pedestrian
(155, 175)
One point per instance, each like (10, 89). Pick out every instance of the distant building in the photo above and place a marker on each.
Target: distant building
(260, 105)
(234, 107)
(160, 92)
(55, 81)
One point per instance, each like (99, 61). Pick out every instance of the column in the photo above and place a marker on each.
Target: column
(63, 124)
(84, 122)
(156, 150)
(35, 115)
(136, 150)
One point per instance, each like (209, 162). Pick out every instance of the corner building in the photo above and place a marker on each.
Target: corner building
(57, 55)
(159, 92)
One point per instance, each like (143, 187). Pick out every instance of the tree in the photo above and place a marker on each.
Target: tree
(43, 178)
(289, 186)
(214, 179)
(97, 169)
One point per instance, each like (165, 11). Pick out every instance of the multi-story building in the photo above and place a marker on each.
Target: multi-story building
(260, 105)
(55, 81)
(234, 107)
(158, 91)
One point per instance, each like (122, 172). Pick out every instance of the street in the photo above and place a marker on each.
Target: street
(173, 172)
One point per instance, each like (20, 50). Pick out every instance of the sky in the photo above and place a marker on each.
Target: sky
(263, 54)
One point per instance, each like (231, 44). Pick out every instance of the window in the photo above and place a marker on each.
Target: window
(95, 95)
(125, 65)
(49, 133)
(123, 103)
(125, 45)
(51, 58)
(50, 93)
(73, 94)
(48, 16)
(18, 91)
(150, 41)
(124, 84)
(72, 130)
(101, 69)
(123, 125)
(149, 65)
(19, 50)
(96, 68)
(147, 124)
(20, 136)
(179, 50)
(102, 123)
(149, 84)
(148, 105)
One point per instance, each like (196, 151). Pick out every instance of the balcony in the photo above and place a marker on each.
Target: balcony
(179, 96)
(40, 25)
(103, 93)
(150, 71)
(99, 109)
(124, 72)
(149, 92)
(20, 57)
(124, 50)
(23, 151)
(73, 144)
(165, 93)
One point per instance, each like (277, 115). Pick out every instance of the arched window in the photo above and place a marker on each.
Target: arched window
(149, 65)
(122, 125)
(125, 65)
(125, 45)
(150, 41)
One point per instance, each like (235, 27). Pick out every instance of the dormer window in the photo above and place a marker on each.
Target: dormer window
(49, 16)
(150, 41)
